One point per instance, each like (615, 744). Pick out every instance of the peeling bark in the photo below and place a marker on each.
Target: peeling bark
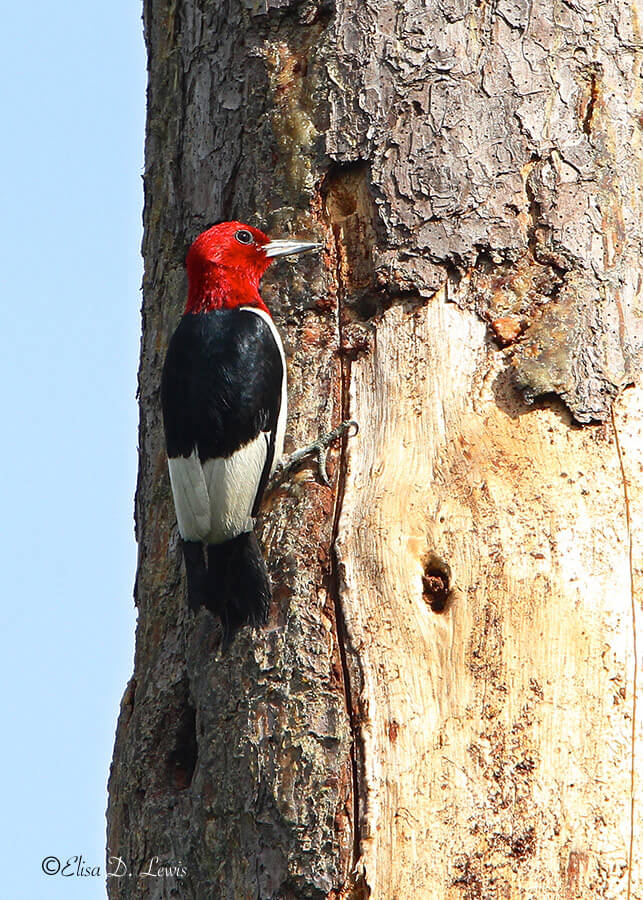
(444, 701)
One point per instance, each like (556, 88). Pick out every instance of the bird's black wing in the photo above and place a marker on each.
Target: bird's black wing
(221, 386)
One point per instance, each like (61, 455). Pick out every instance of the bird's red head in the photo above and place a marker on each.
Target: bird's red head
(225, 265)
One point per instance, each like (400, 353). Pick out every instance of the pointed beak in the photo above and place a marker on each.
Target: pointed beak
(288, 248)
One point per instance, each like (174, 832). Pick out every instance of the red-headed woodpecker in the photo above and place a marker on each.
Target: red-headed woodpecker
(224, 401)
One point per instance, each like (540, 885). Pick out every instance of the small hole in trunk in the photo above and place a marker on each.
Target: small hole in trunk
(436, 589)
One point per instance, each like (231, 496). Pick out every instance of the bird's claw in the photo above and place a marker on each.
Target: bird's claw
(318, 448)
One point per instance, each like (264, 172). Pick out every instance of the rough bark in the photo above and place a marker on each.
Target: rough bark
(444, 702)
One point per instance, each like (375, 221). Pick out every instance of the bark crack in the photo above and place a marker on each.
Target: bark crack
(628, 523)
(591, 103)
(356, 751)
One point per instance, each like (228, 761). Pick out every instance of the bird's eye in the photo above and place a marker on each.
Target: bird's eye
(243, 236)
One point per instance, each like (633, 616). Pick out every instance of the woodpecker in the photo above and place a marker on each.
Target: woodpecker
(224, 399)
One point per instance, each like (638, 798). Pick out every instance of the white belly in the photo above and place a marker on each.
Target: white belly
(283, 409)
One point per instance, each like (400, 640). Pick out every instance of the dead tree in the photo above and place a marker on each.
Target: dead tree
(444, 702)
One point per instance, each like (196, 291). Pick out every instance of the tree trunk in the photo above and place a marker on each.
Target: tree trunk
(443, 704)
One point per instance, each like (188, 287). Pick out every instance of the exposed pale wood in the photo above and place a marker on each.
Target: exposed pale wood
(497, 752)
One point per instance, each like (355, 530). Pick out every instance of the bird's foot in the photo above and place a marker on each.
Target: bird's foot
(318, 449)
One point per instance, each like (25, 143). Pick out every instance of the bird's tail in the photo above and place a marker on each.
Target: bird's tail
(238, 586)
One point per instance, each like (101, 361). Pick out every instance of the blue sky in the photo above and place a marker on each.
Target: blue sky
(72, 79)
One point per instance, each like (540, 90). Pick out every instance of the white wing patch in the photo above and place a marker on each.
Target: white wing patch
(191, 499)
(214, 500)
(232, 487)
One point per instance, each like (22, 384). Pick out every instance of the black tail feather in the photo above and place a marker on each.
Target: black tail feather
(238, 586)
(195, 572)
